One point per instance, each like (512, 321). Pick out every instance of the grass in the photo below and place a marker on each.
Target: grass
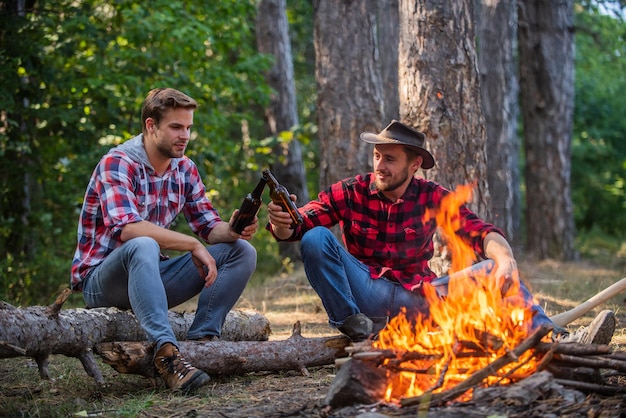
(284, 299)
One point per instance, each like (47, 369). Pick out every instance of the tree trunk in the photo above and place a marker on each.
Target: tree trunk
(350, 98)
(229, 358)
(39, 331)
(497, 41)
(388, 33)
(439, 91)
(272, 32)
(440, 96)
(546, 49)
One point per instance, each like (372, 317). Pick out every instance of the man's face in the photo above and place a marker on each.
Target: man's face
(173, 133)
(392, 168)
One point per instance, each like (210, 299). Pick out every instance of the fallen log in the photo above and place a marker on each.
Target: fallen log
(39, 331)
(522, 393)
(231, 358)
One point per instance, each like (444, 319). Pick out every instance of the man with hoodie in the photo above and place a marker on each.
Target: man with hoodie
(135, 193)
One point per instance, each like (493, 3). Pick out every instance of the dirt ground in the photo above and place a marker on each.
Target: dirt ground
(285, 300)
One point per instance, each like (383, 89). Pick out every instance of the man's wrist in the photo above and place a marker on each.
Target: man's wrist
(282, 233)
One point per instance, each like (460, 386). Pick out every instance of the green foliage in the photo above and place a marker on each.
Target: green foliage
(75, 73)
(74, 84)
(599, 151)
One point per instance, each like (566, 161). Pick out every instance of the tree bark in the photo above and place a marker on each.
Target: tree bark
(439, 91)
(388, 33)
(546, 51)
(39, 331)
(281, 115)
(440, 96)
(497, 42)
(229, 358)
(350, 98)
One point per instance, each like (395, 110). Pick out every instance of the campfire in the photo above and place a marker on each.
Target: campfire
(466, 331)
(475, 337)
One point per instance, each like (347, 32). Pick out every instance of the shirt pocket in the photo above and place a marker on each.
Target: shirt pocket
(409, 246)
(175, 204)
(366, 237)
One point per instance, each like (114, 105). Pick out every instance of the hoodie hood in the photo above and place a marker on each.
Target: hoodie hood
(135, 150)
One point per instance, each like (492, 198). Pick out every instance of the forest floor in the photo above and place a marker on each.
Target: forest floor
(284, 300)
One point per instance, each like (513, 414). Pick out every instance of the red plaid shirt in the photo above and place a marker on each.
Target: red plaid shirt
(389, 237)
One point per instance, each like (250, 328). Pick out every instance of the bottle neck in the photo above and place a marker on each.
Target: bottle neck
(258, 190)
(270, 179)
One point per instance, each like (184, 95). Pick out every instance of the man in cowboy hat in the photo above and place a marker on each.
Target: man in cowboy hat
(388, 242)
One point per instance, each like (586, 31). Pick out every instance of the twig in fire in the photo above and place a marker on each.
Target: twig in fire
(475, 379)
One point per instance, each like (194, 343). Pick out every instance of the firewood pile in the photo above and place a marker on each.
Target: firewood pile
(565, 374)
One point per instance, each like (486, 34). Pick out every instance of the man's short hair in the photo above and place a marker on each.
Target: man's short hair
(160, 100)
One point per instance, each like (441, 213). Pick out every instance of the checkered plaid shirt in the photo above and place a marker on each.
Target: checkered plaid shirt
(121, 191)
(391, 238)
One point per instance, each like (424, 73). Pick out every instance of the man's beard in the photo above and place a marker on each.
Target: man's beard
(168, 151)
(389, 186)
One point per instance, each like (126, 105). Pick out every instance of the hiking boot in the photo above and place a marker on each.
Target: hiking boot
(599, 331)
(176, 372)
(357, 327)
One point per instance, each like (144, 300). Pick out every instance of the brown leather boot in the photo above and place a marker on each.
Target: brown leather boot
(176, 372)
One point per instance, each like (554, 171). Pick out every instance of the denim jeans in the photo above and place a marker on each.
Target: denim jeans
(134, 277)
(346, 288)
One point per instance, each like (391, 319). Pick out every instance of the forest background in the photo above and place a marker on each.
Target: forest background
(74, 74)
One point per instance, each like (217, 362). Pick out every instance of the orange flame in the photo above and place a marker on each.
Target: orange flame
(466, 331)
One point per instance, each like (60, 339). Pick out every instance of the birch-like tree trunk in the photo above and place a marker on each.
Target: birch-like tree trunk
(546, 49)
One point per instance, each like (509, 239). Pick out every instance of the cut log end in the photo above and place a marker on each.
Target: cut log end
(356, 382)
(128, 357)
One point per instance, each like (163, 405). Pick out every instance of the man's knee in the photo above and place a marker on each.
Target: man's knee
(248, 253)
(313, 238)
(143, 247)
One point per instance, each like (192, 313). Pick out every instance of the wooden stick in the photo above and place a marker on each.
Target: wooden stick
(593, 362)
(480, 375)
(575, 349)
(565, 318)
(592, 387)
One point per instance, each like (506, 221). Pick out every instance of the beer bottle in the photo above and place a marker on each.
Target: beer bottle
(280, 195)
(249, 207)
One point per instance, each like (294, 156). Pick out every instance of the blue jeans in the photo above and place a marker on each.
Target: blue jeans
(134, 277)
(346, 288)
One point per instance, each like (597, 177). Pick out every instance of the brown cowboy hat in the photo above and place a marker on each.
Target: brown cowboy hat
(398, 133)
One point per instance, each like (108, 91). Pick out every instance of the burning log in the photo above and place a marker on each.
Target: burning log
(39, 331)
(349, 380)
(364, 377)
(227, 358)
